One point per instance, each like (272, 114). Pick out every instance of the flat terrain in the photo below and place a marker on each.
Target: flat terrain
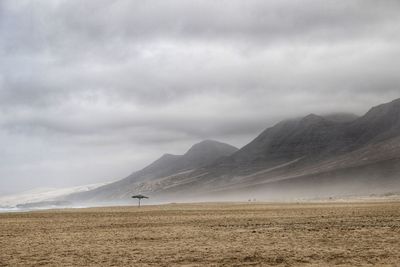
(324, 234)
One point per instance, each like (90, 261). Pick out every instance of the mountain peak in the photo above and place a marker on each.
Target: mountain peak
(167, 155)
(303, 149)
(312, 119)
(379, 123)
(395, 102)
(199, 155)
(207, 147)
(389, 111)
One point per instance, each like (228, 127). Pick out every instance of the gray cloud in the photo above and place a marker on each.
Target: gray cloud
(90, 91)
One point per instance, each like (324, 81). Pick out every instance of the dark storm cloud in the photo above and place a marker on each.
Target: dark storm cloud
(92, 90)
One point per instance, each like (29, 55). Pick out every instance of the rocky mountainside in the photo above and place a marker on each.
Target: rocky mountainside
(197, 156)
(314, 156)
(167, 166)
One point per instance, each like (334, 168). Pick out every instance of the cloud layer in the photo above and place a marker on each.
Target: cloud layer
(90, 91)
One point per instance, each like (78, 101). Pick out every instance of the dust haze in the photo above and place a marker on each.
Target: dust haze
(90, 92)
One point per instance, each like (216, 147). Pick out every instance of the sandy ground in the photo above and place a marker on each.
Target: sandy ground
(325, 234)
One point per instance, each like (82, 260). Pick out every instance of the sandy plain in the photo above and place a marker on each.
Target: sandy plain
(214, 234)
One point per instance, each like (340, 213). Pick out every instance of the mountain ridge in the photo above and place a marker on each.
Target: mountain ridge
(339, 152)
(199, 155)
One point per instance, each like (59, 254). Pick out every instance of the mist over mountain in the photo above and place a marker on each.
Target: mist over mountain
(199, 155)
(111, 86)
(341, 117)
(199, 133)
(163, 171)
(310, 157)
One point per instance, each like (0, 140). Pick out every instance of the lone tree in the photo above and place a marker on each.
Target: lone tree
(139, 197)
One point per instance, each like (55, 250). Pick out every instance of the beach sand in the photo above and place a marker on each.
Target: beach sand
(214, 234)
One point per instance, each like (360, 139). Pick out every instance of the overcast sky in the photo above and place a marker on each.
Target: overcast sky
(92, 90)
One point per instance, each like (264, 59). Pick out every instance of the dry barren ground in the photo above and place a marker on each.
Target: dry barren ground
(341, 234)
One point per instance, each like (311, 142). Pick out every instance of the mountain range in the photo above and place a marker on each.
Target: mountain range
(304, 158)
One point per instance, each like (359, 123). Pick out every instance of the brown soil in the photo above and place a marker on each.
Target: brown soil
(324, 234)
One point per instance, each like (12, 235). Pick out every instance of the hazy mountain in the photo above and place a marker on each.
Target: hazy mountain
(197, 156)
(164, 168)
(314, 156)
(341, 117)
(380, 123)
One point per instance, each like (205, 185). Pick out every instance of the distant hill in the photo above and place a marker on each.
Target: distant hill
(166, 167)
(197, 156)
(314, 156)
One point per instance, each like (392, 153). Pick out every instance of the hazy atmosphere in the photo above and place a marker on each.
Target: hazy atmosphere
(92, 90)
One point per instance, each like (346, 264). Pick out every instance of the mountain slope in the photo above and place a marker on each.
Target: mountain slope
(308, 157)
(380, 123)
(341, 117)
(198, 156)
